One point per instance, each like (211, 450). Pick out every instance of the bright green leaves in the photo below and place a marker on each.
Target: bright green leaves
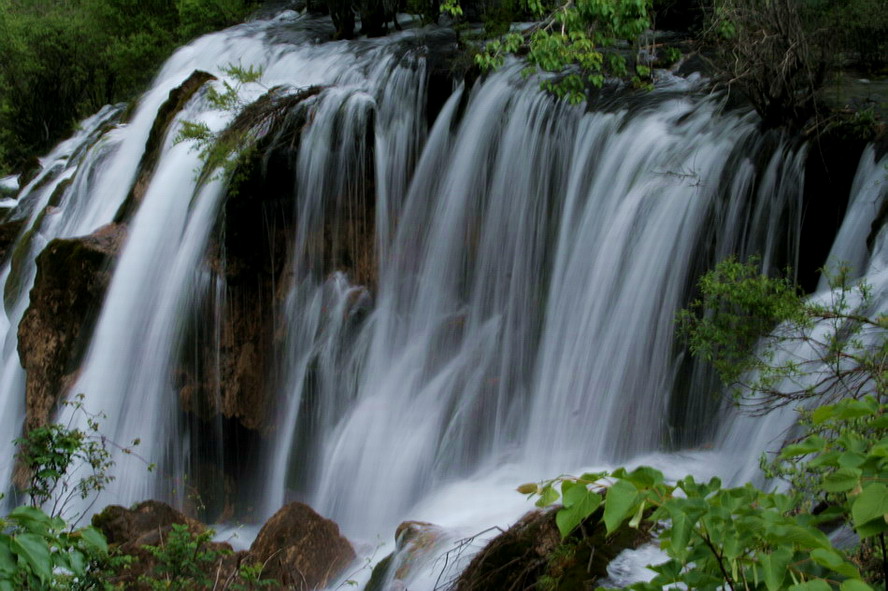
(187, 561)
(854, 585)
(750, 327)
(222, 152)
(774, 567)
(92, 539)
(621, 500)
(846, 456)
(718, 537)
(36, 551)
(63, 463)
(495, 52)
(835, 562)
(579, 503)
(842, 480)
(451, 7)
(548, 496)
(869, 510)
(572, 42)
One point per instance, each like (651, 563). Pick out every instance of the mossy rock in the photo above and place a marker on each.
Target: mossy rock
(531, 555)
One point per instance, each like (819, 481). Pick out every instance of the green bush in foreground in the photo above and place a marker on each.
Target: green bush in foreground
(743, 537)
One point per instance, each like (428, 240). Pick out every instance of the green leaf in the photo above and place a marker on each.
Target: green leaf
(582, 507)
(77, 562)
(834, 561)
(812, 585)
(774, 567)
(852, 409)
(7, 560)
(591, 477)
(842, 480)
(619, 503)
(645, 477)
(94, 539)
(548, 496)
(823, 414)
(809, 445)
(871, 528)
(851, 459)
(35, 550)
(31, 518)
(855, 585)
(870, 504)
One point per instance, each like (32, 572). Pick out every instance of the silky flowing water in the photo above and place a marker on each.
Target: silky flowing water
(529, 260)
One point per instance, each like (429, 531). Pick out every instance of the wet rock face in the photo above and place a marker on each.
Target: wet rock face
(72, 278)
(301, 549)
(415, 543)
(228, 365)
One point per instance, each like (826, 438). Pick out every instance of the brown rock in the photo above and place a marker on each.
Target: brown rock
(123, 527)
(72, 277)
(149, 524)
(301, 549)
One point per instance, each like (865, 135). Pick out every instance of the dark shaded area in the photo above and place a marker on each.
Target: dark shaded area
(829, 172)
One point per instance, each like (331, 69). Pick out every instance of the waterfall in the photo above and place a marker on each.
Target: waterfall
(451, 295)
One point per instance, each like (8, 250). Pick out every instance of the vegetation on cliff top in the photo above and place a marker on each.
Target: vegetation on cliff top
(62, 60)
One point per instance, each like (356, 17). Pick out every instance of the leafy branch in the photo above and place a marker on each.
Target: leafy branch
(576, 40)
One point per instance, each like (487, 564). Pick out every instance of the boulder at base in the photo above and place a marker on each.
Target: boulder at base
(415, 543)
(143, 524)
(150, 523)
(532, 555)
(301, 549)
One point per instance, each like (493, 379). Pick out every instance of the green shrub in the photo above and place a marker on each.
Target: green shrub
(40, 552)
(743, 537)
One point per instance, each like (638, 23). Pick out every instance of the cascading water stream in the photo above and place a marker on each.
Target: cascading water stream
(507, 316)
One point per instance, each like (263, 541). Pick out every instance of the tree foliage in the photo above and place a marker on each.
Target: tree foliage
(780, 53)
(62, 60)
(773, 347)
(577, 40)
